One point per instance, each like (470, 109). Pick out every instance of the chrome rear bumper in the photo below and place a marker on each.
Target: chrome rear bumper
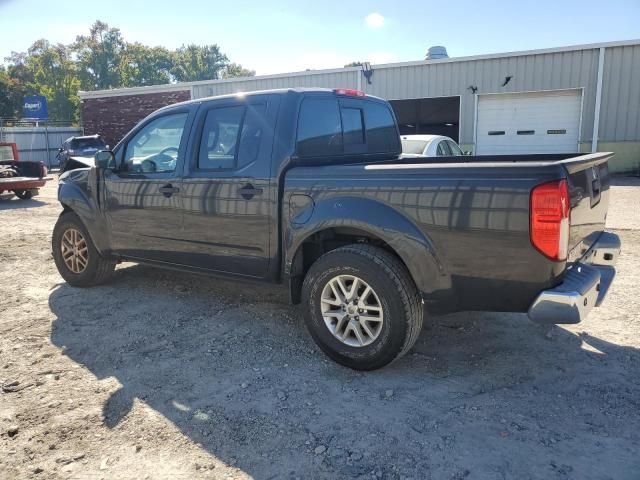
(584, 286)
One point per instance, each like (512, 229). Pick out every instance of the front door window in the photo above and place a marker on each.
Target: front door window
(155, 148)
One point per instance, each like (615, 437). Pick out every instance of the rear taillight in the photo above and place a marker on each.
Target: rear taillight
(350, 92)
(43, 170)
(549, 229)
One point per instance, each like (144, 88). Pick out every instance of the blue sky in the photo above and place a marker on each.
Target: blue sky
(284, 36)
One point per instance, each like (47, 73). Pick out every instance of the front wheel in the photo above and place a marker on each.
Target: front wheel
(364, 310)
(75, 255)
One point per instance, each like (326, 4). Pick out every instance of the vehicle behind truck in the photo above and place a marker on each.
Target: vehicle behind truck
(23, 179)
(307, 188)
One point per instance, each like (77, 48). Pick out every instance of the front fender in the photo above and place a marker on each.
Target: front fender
(379, 220)
(75, 192)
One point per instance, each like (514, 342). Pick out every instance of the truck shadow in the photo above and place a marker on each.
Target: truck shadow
(238, 374)
(16, 203)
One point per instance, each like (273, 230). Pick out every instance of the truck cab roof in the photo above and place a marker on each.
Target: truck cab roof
(275, 91)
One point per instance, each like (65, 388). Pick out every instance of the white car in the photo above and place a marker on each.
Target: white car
(429, 146)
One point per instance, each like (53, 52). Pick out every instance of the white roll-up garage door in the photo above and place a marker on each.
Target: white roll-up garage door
(538, 122)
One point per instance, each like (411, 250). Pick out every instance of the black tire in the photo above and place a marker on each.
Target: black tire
(98, 269)
(24, 194)
(398, 295)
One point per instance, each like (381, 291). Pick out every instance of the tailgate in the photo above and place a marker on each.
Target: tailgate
(589, 194)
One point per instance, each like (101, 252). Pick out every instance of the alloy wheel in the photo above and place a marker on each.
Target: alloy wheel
(352, 310)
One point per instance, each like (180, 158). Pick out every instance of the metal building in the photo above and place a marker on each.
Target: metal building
(578, 98)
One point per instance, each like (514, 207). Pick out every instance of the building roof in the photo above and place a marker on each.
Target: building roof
(182, 86)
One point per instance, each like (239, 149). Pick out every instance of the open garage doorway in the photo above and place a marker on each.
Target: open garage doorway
(428, 116)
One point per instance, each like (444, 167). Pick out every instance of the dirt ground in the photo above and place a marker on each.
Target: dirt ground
(168, 375)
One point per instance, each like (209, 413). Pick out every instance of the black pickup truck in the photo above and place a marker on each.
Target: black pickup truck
(306, 187)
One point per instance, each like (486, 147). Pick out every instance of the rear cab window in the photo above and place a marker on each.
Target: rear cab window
(330, 125)
(6, 153)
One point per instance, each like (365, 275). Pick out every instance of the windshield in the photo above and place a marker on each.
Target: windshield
(414, 146)
(86, 144)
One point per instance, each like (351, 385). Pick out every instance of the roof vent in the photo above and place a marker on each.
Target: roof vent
(436, 53)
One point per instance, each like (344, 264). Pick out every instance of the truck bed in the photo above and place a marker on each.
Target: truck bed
(476, 209)
(31, 175)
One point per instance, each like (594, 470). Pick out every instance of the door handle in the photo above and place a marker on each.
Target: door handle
(168, 190)
(248, 191)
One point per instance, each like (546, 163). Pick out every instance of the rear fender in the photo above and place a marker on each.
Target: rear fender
(379, 220)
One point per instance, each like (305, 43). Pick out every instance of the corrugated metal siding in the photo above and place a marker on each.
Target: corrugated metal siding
(552, 71)
(346, 79)
(32, 141)
(620, 107)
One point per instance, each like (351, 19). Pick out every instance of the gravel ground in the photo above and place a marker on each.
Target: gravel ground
(167, 375)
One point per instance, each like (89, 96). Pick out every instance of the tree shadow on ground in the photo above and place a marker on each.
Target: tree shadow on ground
(234, 369)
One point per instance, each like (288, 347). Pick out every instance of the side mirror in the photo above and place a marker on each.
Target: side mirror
(105, 160)
(60, 150)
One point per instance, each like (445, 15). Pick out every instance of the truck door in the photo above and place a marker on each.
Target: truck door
(228, 197)
(143, 197)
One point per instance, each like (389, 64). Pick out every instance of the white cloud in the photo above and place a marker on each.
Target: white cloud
(374, 20)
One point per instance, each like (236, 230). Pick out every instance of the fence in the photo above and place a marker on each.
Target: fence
(37, 142)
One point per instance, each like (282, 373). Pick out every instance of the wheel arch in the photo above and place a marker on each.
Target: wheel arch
(75, 199)
(347, 220)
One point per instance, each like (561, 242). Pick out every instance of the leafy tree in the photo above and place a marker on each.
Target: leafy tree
(236, 70)
(100, 55)
(102, 60)
(48, 70)
(141, 65)
(353, 64)
(195, 62)
(11, 94)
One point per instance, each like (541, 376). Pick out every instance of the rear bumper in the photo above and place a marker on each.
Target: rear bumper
(22, 183)
(584, 286)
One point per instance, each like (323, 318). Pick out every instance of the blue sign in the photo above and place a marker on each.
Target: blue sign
(35, 106)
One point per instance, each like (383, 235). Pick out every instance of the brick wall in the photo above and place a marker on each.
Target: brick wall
(113, 117)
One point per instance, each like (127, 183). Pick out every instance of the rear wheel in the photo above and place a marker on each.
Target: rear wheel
(24, 194)
(75, 255)
(364, 310)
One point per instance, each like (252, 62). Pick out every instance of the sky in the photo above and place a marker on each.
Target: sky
(286, 36)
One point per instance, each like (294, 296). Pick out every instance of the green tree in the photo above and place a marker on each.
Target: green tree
(100, 57)
(195, 62)
(50, 71)
(236, 70)
(102, 60)
(353, 64)
(11, 94)
(141, 65)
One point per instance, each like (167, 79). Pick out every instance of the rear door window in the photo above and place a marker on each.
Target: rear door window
(220, 138)
(252, 133)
